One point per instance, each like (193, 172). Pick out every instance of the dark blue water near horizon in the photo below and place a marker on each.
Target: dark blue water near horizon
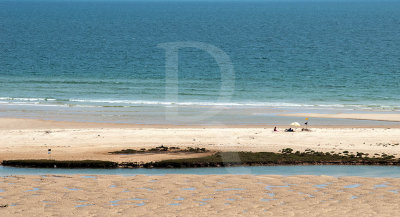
(283, 53)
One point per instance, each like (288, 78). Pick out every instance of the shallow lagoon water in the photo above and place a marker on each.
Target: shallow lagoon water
(352, 186)
(328, 170)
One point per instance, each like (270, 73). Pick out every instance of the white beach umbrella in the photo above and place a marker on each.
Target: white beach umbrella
(295, 124)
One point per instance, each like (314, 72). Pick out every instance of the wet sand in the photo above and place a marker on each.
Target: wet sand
(194, 195)
(354, 116)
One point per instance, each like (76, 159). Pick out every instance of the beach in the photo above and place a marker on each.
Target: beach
(194, 195)
(190, 195)
(31, 139)
(168, 108)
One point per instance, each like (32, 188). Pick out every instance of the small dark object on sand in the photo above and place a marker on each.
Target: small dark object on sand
(289, 130)
(4, 206)
(306, 129)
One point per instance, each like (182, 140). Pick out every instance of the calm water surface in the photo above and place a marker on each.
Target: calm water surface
(100, 60)
(363, 171)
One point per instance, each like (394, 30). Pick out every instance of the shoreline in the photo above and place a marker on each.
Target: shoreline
(394, 117)
(227, 165)
(218, 160)
(16, 123)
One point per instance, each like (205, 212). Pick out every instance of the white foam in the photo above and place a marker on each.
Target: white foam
(128, 103)
(26, 99)
(140, 102)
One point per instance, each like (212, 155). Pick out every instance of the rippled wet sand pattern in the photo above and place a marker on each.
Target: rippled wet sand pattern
(198, 195)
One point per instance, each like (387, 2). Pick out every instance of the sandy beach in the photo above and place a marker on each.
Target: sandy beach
(189, 195)
(183, 108)
(30, 139)
(193, 195)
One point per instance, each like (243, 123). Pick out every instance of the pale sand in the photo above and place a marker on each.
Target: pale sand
(69, 141)
(354, 116)
(194, 195)
(189, 195)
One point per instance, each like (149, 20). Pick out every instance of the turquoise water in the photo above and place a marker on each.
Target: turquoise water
(101, 60)
(363, 171)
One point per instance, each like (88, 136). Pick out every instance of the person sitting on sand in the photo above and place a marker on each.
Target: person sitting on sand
(289, 130)
(275, 130)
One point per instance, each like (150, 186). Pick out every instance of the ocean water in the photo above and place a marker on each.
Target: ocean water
(103, 61)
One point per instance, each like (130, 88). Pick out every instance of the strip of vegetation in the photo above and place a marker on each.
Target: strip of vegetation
(61, 164)
(161, 149)
(286, 157)
(225, 159)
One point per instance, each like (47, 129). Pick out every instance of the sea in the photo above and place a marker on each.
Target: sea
(198, 62)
